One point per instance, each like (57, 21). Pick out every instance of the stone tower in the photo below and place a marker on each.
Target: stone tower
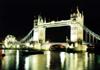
(39, 30)
(77, 22)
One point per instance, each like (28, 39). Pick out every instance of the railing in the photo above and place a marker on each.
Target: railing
(27, 36)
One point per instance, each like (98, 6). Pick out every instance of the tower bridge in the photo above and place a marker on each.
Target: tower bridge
(74, 22)
(78, 31)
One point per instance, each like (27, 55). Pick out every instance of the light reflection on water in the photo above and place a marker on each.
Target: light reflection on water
(9, 63)
(50, 61)
(35, 62)
(76, 61)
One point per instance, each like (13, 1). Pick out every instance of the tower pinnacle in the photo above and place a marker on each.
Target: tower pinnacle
(77, 9)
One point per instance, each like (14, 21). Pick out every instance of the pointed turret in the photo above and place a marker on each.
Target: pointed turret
(76, 15)
(77, 10)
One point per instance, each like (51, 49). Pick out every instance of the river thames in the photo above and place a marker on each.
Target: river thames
(50, 61)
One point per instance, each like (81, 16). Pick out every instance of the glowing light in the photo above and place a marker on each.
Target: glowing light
(48, 59)
(27, 44)
(52, 21)
(35, 38)
(62, 56)
(10, 41)
(27, 63)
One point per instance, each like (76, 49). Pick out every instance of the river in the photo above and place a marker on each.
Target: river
(50, 61)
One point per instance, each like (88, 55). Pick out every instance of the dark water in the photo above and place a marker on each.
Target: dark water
(50, 61)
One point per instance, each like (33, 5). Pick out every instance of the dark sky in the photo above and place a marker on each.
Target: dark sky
(16, 16)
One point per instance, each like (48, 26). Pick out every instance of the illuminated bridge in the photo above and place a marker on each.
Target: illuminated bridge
(78, 31)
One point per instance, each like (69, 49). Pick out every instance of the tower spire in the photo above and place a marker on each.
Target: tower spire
(77, 9)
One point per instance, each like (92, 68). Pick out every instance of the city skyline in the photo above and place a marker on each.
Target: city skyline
(17, 17)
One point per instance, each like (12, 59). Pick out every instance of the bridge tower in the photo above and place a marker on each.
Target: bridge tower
(77, 22)
(39, 30)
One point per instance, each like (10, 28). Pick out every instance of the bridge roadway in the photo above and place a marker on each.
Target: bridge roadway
(64, 44)
(45, 46)
(11, 48)
(16, 48)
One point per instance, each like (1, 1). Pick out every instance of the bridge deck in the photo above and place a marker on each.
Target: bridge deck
(17, 49)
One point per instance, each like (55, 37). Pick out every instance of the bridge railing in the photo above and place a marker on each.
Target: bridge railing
(90, 32)
(27, 36)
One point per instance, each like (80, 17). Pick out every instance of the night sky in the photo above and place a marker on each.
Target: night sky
(16, 16)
